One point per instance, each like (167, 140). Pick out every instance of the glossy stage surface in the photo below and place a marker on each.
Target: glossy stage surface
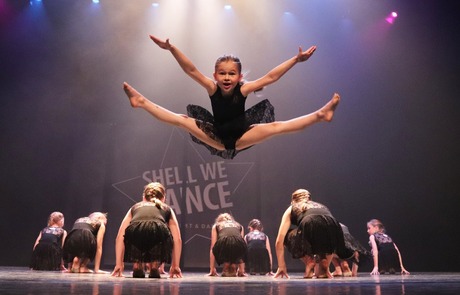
(19, 280)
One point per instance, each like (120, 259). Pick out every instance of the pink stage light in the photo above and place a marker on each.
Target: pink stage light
(392, 17)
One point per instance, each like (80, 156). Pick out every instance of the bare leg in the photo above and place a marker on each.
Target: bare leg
(161, 269)
(75, 265)
(84, 266)
(261, 132)
(137, 100)
(240, 271)
(309, 266)
(354, 266)
(338, 270)
(354, 270)
(324, 267)
(346, 268)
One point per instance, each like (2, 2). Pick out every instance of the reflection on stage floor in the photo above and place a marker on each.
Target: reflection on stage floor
(20, 280)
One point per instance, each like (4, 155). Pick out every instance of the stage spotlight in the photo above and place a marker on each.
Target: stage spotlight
(32, 2)
(392, 17)
(228, 7)
(155, 4)
(95, 1)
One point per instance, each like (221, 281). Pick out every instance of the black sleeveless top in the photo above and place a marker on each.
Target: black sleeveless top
(228, 108)
(148, 211)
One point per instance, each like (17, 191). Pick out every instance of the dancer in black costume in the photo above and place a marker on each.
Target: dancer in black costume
(342, 266)
(259, 252)
(318, 234)
(231, 129)
(47, 251)
(385, 253)
(84, 242)
(149, 234)
(227, 247)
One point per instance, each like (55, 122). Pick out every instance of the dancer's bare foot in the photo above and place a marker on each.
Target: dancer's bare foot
(162, 271)
(85, 270)
(325, 276)
(323, 273)
(135, 98)
(346, 269)
(327, 111)
(229, 270)
(75, 268)
(337, 272)
(354, 270)
(309, 275)
(323, 268)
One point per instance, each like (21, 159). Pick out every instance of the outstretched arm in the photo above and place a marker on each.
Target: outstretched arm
(120, 246)
(62, 267)
(99, 240)
(267, 245)
(212, 259)
(279, 244)
(38, 239)
(276, 73)
(375, 254)
(174, 270)
(186, 64)
(403, 270)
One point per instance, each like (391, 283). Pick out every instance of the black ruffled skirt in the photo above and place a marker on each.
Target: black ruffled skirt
(46, 256)
(317, 235)
(79, 243)
(230, 249)
(148, 241)
(230, 132)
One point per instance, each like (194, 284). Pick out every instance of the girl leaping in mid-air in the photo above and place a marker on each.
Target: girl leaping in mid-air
(231, 129)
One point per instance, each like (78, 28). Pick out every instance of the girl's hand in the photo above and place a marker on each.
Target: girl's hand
(404, 271)
(304, 55)
(175, 272)
(162, 44)
(281, 273)
(375, 271)
(118, 271)
(213, 273)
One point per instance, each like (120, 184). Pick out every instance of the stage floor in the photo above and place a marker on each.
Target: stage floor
(19, 280)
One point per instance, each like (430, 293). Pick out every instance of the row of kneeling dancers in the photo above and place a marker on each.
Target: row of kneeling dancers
(149, 237)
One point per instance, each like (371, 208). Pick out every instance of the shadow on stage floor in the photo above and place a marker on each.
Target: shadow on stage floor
(20, 280)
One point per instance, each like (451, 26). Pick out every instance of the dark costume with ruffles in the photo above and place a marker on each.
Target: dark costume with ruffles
(258, 258)
(147, 237)
(47, 254)
(230, 120)
(230, 246)
(317, 232)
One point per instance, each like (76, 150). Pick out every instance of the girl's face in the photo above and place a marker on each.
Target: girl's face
(227, 76)
(372, 229)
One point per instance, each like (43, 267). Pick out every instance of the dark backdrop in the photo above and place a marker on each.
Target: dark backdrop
(70, 141)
